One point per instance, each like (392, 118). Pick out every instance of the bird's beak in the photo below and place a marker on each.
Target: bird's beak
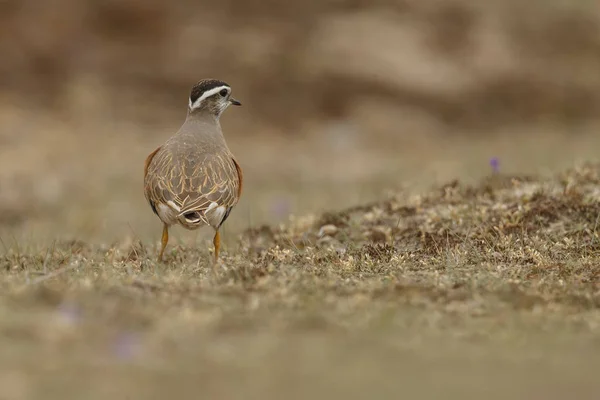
(234, 102)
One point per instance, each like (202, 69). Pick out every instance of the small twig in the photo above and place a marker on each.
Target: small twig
(17, 247)
(4, 246)
(45, 264)
(595, 231)
(51, 275)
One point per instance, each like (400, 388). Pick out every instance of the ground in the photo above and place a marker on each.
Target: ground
(484, 289)
(419, 216)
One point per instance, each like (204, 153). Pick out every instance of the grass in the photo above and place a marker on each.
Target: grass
(481, 287)
(451, 292)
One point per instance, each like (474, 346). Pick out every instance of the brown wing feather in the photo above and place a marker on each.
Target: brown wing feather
(148, 160)
(193, 181)
(146, 191)
(240, 177)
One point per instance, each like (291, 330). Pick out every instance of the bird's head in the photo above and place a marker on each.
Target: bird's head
(211, 96)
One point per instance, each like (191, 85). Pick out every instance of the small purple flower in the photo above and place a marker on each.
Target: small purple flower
(280, 207)
(126, 345)
(69, 313)
(495, 164)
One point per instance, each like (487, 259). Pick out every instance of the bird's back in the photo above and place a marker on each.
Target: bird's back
(193, 173)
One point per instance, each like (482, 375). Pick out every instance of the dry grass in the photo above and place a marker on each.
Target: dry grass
(412, 284)
(465, 63)
(455, 291)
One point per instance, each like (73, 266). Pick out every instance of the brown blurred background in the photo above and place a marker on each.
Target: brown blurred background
(343, 100)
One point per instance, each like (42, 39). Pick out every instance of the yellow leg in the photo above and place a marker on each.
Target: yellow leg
(217, 244)
(164, 241)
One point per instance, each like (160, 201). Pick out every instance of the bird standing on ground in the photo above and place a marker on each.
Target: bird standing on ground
(193, 179)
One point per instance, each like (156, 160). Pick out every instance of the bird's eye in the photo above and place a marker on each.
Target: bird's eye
(223, 92)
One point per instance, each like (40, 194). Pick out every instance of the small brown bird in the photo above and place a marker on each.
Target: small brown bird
(193, 179)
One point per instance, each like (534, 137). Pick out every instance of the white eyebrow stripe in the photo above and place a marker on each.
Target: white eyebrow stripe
(206, 94)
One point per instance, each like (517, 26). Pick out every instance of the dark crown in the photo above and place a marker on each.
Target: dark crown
(204, 85)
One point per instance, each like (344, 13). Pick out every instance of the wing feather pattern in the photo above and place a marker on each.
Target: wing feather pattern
(193, 189)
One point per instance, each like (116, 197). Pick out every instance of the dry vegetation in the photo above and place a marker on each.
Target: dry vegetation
(467, 64)
(374, 253)
(470, 285)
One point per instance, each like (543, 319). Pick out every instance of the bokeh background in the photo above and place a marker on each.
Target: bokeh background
(343, 101)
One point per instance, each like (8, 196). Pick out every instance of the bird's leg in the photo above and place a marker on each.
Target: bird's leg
(164, 241)
(217, 244)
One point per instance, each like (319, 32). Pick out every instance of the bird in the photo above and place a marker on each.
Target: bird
(193, 179)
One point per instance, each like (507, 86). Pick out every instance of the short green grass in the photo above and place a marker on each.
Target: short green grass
(489, 290)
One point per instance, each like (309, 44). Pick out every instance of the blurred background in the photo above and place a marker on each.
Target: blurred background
(343, 101)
